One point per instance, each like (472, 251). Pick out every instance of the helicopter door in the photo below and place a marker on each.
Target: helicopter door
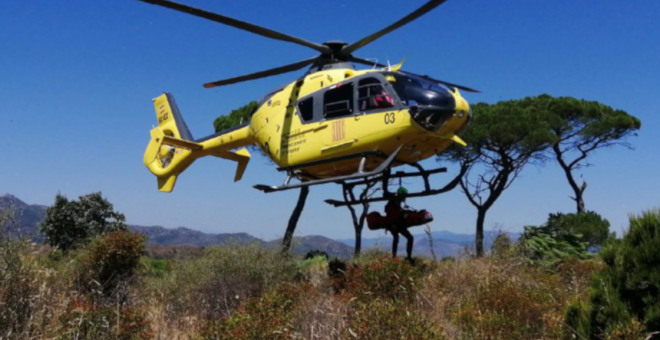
(338, 103)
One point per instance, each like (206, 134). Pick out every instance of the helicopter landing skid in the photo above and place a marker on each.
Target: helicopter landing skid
(384, 178)
(360, 174)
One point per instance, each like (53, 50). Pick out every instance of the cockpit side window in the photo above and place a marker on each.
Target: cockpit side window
(338, 102)
(306, 109)
(372, 95)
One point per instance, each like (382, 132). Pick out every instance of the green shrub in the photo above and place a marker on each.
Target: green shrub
(156, 267)
(70, 224)
(315, 271)
(547, 247)
(594, 229)
(110, 261)
(627, 291)
(85, 321)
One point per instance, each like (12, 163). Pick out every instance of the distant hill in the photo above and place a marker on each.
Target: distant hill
(29, 216)
(444, 243)
(182, 236)
(302, 245)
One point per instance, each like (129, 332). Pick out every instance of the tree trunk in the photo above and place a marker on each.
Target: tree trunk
(479, 239)
(577, 189)
(579, 200)
(358, 229)
(358, 241)
(293, 221)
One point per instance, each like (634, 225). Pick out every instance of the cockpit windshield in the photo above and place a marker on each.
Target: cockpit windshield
(417, 91)
(431, 104)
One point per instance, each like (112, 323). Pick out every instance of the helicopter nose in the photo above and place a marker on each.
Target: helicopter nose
(436, 109)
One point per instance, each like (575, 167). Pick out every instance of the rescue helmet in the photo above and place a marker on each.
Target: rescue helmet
(402, 191)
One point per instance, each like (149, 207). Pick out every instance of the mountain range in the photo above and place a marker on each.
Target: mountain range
(444, 243)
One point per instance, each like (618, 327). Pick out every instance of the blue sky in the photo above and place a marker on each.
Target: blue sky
(76, 79)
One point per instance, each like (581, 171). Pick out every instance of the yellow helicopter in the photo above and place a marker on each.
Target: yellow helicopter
(334, 124)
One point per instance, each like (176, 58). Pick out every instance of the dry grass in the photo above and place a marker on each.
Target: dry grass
(250, 292)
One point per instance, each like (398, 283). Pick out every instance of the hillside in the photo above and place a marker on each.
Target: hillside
(444, 243)
(183, 236)
(29, 216)
(26, 215)
(303, 244)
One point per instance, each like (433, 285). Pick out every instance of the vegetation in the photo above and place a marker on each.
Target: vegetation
(235, 117)
(548, 247)
(108, 289)
(69, 224)
(505, 137)
(593, 229)
(548, 285)
(581, 127)
(111, 260)
(624, 301)
(502, 139)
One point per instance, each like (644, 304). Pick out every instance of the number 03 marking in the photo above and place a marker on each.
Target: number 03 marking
(389, 118)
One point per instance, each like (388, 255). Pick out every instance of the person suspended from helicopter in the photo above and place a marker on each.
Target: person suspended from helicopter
(395, 213)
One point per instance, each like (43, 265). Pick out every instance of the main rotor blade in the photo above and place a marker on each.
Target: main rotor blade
(268, 33)
(263, 74)
(410, 17)
(460, 87)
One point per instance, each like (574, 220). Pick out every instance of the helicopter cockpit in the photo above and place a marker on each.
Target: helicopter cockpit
(431, 104)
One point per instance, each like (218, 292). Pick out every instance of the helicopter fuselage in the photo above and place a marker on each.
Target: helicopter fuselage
(329, 115)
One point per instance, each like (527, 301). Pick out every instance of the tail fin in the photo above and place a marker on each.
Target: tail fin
(170, 119)
(172, 148)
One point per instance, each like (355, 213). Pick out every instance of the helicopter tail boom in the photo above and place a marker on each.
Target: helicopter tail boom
(172, 148)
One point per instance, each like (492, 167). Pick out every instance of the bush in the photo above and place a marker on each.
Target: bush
(69, 224)
(216, 283)
(388, 319)
(384, 278)
(381, 295)
(547, 247)
(17, 286)
(497, 299)
(627, 291)
(111, 260)
(267, 317)
(594, 229)
(156, 267)
(316, 253)
(85, 321)
(315, 270)
(501, 246)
